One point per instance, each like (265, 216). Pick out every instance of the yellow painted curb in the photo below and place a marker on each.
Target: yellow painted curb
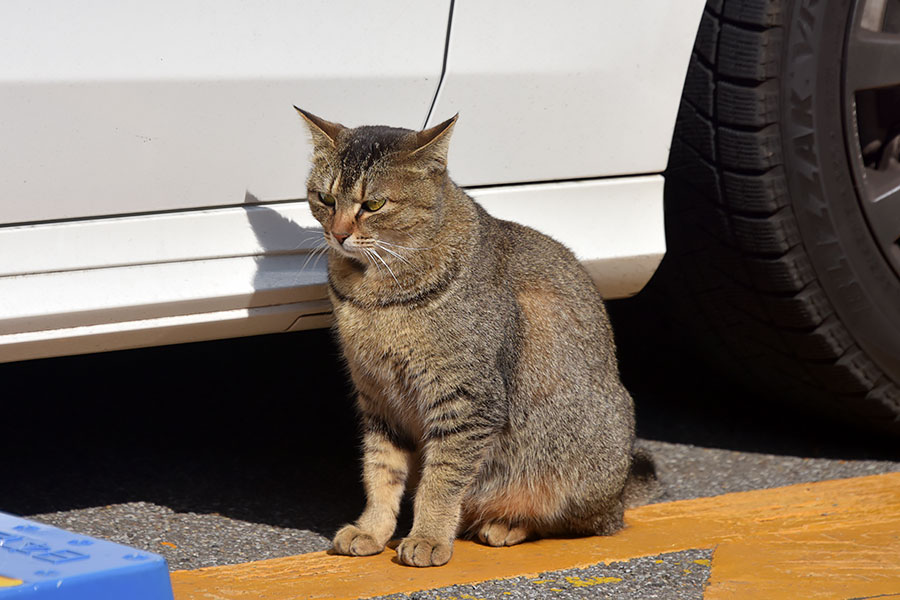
(834, 539)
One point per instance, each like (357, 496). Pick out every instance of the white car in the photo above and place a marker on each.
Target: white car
(153, 168)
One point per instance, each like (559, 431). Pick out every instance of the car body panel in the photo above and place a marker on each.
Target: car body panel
(123, 107)
(548, 91)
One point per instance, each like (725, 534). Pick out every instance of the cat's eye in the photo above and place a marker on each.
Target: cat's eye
(326, 199)
(373, 205)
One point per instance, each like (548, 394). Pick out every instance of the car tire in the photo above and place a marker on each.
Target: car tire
(780, 265)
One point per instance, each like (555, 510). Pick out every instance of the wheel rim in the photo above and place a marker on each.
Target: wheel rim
(871, 93)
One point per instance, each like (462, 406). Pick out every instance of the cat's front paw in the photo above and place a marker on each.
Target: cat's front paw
(424, 552)
(353, 541)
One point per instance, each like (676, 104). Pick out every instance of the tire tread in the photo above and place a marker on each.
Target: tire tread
(738, 260)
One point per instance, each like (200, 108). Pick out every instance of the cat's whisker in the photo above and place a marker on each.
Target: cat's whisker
(306, 239)
(401, 258)
(395, 254)
(318, 251)
(377, 255)
(368, 254)
(366, 257)
(308, 258)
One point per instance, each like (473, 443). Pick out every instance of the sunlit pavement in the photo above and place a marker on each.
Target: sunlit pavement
(833, 539)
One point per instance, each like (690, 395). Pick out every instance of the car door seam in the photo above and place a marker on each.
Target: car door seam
(437, 91)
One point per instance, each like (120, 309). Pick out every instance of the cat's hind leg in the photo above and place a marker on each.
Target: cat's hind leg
(610, 520)
(508, 513)
(385, 470)
(605, 517)
(502, 533)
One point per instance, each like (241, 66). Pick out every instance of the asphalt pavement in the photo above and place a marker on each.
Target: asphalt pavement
(673, 576)
(239, 450)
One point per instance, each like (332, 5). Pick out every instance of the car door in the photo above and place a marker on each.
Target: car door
(153, 169)
(125, 107)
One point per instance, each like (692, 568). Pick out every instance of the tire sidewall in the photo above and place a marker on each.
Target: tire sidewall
(858, 281)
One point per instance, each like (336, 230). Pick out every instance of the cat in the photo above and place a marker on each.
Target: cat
(480, 350)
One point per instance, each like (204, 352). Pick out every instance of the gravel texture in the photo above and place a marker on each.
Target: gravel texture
(687, 471)
(187, 540)
(675, 576)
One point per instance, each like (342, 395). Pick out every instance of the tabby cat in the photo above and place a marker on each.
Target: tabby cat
(480, 350)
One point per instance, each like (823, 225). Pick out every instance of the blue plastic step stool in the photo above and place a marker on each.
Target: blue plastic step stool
(38, 561)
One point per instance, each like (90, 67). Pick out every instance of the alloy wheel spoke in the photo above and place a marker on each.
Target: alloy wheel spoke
(884, 206)
(873, 60)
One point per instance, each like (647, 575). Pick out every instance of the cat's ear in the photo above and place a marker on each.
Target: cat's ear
(432, 144)
(324, 133)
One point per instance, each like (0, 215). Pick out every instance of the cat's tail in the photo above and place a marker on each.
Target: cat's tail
(642, 486)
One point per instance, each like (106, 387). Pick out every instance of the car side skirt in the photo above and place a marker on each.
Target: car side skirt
(126, 282)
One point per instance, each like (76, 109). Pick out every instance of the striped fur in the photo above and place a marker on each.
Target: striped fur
(481, 352)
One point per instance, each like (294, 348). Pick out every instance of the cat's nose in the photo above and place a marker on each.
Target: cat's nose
(340, 237)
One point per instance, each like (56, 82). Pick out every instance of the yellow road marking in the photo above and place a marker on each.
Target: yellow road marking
(833, 539)
(9, 582)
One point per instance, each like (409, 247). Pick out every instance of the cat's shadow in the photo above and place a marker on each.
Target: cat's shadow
(259, 429)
